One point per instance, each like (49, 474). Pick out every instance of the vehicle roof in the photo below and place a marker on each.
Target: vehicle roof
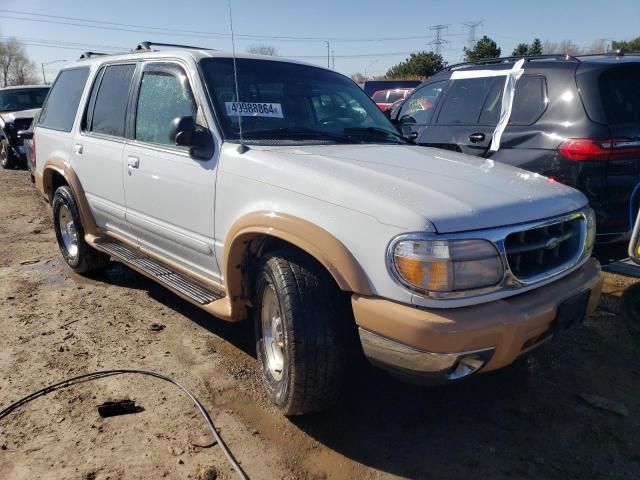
(23, 87)
(542, 60)
(194, 53)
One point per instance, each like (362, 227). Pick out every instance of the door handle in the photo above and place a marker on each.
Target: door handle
(78, 149)
(133, 162)
(476, 137)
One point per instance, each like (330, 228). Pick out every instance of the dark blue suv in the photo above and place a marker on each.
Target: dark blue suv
(574, 119)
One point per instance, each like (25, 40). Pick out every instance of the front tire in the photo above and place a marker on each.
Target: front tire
(7, 158)
(70, 235)
(300, 333)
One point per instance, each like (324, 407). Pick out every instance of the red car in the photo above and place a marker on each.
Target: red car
(385, 98)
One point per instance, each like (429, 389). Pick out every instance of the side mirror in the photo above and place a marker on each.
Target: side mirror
(25, 134)
(185, 132)
(181, 131)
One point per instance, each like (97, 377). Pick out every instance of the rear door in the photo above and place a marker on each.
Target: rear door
(98, 147)
(468, 116)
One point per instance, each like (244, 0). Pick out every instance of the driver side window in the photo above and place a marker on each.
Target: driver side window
(164, 95)
(418, 108)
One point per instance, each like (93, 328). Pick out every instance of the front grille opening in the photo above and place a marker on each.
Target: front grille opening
(542, 250)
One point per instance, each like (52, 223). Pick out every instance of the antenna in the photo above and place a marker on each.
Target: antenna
(242, 148)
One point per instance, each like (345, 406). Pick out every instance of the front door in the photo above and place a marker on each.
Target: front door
(417, 110)
(169, 193)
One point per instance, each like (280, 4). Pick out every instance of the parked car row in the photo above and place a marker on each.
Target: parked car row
(275, 191)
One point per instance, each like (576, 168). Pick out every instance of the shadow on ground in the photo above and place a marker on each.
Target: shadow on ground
(526, 421)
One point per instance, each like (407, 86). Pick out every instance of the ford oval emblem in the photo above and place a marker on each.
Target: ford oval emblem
(552, 243)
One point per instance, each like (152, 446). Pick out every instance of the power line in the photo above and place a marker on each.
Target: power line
(135, 28)
(113, 48)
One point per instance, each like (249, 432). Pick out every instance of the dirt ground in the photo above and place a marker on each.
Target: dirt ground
(527, 421)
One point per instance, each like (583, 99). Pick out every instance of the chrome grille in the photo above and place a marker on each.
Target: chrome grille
(543, 250)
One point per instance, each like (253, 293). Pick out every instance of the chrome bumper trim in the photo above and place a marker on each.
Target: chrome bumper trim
(428, 366)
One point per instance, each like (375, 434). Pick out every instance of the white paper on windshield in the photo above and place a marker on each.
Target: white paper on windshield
(254, 109)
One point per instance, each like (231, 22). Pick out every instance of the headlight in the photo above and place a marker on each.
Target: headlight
(446, 265)
(590, 239)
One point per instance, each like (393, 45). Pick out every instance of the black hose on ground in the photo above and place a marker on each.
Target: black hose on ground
(107, 373)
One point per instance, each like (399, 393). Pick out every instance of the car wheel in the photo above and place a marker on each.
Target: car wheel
(81, 257)
(7, 159)
(300, 333)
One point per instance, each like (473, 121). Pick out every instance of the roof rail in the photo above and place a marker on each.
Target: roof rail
(86, 55)
(146, 46)
(527, 58)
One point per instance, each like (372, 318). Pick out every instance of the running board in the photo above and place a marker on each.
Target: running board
(159, 272)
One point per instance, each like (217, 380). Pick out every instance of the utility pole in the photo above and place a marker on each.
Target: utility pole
(328, 54)
(438, 40)
(333, 59)
(473, 29)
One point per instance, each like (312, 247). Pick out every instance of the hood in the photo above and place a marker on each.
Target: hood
(9, 117)
(399, 184)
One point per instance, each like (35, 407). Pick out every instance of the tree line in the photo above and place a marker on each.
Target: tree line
(420, 65)
(16, 68)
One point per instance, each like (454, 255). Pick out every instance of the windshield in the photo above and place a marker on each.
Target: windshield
(286, 101)
(22, 99)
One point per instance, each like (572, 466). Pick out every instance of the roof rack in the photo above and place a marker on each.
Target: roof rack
(146, 46)
(527, 58)
(620, 52)
(86, 55)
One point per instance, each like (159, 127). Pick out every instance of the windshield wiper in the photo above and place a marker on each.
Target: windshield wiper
(297, 133)
(377, 131)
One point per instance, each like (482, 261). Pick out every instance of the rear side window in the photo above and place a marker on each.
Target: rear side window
(620, 94)
(110, 106)
(529, 101)
(61, 106)
(464, 101)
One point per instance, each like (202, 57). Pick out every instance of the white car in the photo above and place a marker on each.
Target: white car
(267, 189)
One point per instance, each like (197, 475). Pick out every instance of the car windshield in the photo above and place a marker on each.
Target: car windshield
(287, 101)
(15, 99)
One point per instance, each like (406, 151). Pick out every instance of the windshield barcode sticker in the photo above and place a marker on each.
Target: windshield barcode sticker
(254, 109)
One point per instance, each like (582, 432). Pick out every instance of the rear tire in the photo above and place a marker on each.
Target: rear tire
(301, 333)
(7, 158)
(78, 254)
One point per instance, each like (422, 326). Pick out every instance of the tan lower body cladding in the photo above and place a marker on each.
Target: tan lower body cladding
(510, 326)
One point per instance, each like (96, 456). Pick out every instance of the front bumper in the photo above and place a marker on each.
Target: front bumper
(443, 345)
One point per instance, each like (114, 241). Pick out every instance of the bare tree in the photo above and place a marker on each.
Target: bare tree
(261, 49)
(359, 77)
(8, 52)
(22, 72)
(564, 47)
(15, 66)
(599, 46)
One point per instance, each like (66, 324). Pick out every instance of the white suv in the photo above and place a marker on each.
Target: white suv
(283, 194)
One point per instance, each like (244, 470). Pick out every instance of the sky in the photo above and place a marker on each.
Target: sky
(364, 36)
